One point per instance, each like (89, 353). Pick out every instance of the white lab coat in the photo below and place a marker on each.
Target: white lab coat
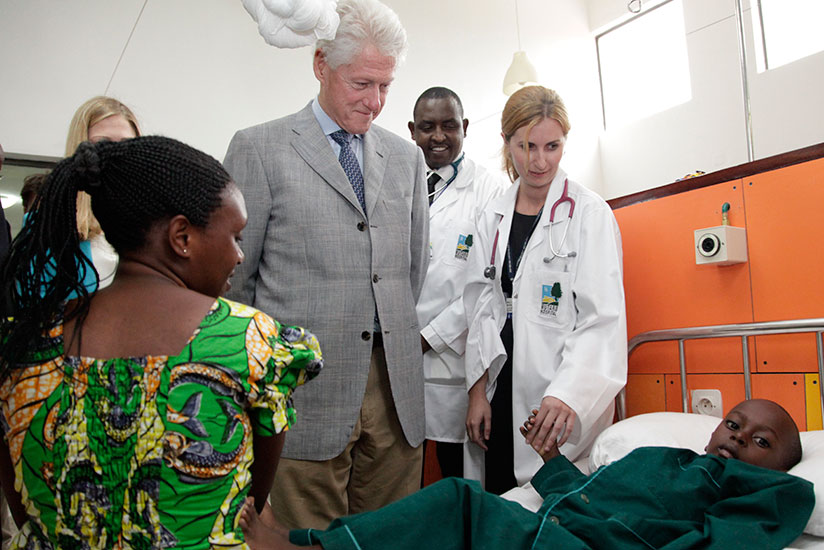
(440, 309)
(104, 259)
(577, 352)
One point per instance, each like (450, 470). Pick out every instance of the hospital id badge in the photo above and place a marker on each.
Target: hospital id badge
(509, 307)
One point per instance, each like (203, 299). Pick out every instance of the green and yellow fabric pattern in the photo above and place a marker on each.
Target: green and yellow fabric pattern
(151, 452)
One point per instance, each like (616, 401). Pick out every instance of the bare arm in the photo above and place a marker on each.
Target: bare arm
(479, 413)
(267, 455)
(18, 511)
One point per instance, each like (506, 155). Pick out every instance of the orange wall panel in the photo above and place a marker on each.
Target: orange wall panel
(782, 279)
(730, 385)
(664, 287)
(786, 353)
(672, 388)
(431, 468)
(700, 356)
(784, 232)
(645, 393)
(811, 386)
(655, 358)
(787, 389)
(716, 355)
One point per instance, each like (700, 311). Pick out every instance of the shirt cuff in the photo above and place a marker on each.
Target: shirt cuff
(553, 467)
(435, 342)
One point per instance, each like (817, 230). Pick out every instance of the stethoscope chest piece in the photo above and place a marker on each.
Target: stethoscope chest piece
(489, 272)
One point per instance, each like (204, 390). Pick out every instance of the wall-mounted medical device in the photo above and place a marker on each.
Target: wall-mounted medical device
(721, 245)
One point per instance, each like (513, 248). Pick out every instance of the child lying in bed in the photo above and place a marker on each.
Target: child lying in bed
(655, 497)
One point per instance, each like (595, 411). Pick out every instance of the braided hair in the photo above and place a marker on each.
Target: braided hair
(134, 184)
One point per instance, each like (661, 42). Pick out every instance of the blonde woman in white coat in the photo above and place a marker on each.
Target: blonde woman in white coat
(544, 303)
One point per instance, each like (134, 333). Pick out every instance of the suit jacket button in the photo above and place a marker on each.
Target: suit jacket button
(375, 278)
(361, 226)
(366, 335)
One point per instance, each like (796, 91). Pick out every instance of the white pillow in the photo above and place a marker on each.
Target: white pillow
(811, 468)
(692, 431)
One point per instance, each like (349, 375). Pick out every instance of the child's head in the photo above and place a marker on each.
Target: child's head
(758, 432)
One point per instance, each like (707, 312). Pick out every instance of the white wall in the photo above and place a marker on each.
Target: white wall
(709, 132)
(197, 70)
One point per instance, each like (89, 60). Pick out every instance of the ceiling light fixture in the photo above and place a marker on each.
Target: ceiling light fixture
(9, 200)
(521, 72)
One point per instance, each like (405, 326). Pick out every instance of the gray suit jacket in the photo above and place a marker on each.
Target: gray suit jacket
(314, 260)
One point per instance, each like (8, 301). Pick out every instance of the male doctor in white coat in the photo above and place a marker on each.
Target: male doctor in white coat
(458, 190)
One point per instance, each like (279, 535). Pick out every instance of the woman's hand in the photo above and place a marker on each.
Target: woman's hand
(529, 424)
(479, 414)
(553, 425)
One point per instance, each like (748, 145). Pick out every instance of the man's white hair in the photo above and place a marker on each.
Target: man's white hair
(364, 22)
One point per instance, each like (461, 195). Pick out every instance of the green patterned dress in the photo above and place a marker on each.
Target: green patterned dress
(150, 452)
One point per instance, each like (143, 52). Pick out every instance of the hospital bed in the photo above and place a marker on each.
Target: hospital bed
(692, 431)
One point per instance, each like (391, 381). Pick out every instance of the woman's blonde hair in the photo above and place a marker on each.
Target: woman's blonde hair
(86, 116)
(527, 107)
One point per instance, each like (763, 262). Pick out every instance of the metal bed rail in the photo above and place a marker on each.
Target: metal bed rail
(745, 331)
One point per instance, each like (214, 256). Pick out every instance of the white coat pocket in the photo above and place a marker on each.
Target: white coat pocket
(548, 298)
(457, 243)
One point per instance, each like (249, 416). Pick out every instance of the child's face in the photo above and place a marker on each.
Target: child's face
(757, 432)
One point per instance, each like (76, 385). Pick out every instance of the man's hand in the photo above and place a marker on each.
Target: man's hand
(479, 414)
(425, 345)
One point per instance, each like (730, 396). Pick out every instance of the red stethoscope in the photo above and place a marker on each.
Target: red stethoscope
(490, 271)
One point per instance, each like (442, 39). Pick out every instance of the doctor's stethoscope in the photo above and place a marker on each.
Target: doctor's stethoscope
(491, 270)
(438, 192)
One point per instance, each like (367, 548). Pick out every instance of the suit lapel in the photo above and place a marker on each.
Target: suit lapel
(374, 168)
(313, 147)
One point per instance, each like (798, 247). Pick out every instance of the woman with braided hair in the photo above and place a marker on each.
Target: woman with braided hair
(140, 416)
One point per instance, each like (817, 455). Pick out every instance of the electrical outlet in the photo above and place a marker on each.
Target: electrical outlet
(707, 402)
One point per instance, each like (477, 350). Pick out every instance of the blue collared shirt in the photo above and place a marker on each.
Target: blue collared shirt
(329, 126)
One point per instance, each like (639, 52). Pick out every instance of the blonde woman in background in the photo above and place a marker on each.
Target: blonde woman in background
(97, 119)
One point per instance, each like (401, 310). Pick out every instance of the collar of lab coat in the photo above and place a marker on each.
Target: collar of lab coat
(449, 195)
(504, 207)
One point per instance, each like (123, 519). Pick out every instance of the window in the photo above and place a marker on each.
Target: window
(643, 65)
(786, 30)
(15, 169)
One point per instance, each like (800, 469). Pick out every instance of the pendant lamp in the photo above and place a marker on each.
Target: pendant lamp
(521, 72)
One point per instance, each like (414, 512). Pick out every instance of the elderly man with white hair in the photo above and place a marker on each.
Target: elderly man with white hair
(337, 241)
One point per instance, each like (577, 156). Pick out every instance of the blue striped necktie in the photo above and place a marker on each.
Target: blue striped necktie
(350, 165)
